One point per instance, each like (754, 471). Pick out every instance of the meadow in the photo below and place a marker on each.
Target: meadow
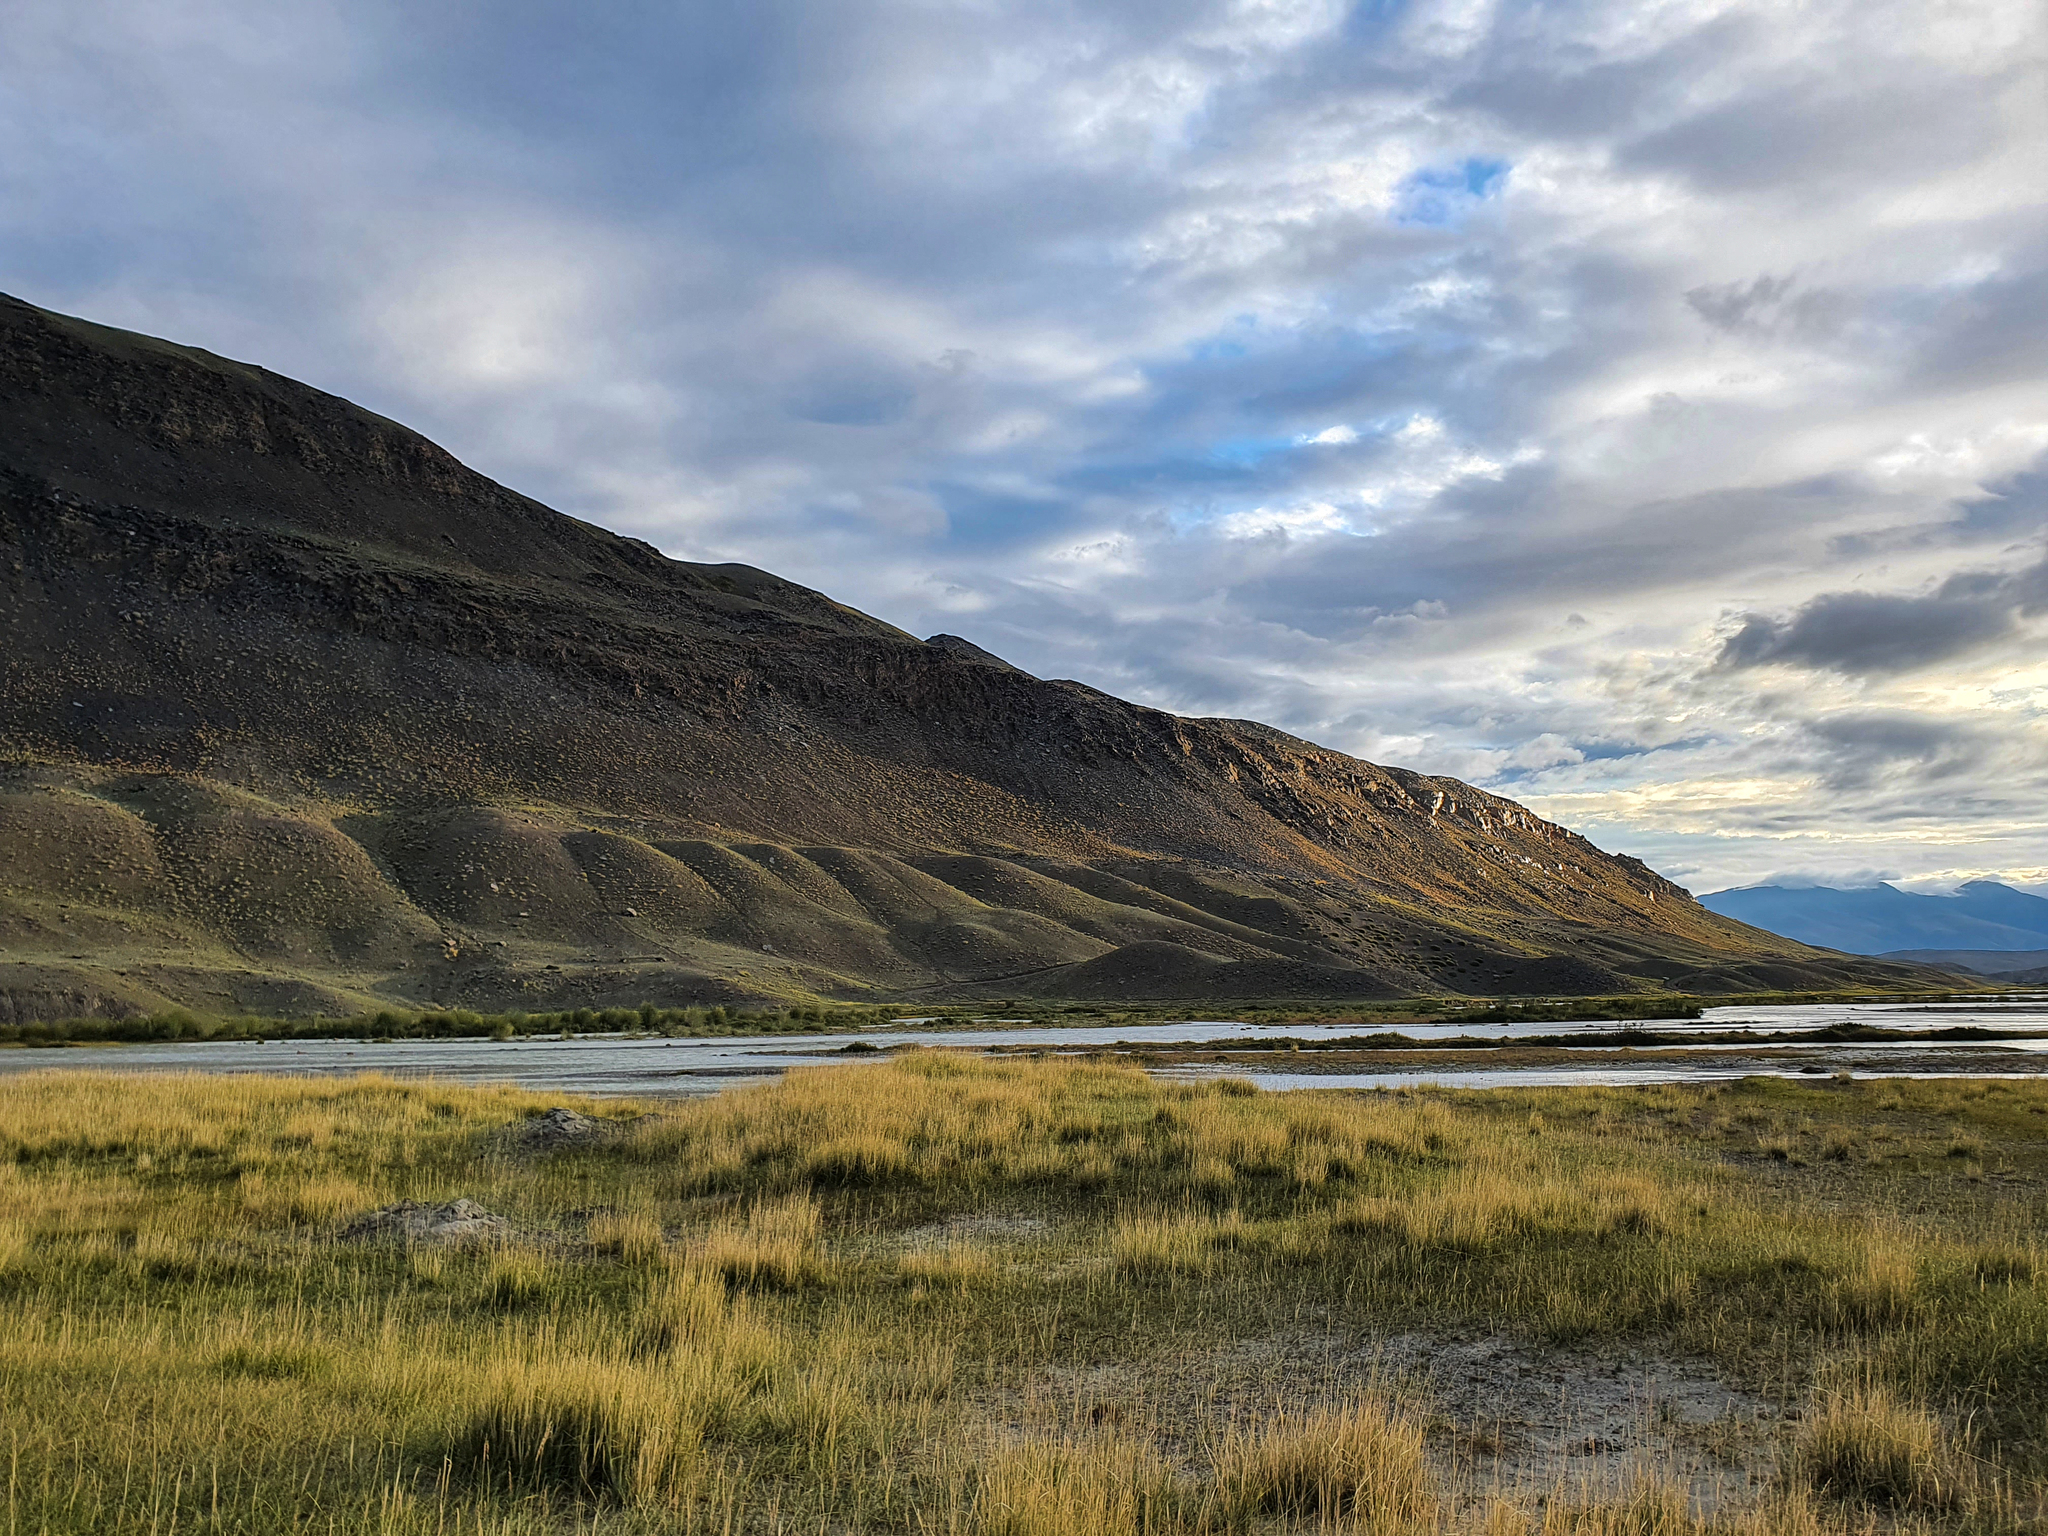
(1025, 1298)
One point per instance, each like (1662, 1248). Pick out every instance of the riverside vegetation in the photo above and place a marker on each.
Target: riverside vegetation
(1016, 1298)
(187, 1026)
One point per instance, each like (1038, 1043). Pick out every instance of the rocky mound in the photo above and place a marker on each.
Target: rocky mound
(302, 714)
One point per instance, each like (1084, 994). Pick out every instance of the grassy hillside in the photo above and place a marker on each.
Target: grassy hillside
(944, 1294)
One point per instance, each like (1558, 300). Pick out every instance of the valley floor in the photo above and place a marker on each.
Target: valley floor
(1025, 1297)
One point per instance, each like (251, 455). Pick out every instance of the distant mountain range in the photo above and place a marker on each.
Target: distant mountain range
(1973, 928)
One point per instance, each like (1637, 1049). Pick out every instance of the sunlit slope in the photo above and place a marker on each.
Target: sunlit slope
(301, 712)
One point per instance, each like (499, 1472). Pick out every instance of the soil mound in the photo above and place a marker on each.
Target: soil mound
(554, 1129)
(414, 1221)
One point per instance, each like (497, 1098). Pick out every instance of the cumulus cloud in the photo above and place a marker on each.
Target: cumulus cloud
(1638, 407)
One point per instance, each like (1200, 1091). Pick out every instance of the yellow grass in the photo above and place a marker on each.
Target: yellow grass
(1359, 1464)
(1865, 1443)
(1063, 1486)
(712, 1321)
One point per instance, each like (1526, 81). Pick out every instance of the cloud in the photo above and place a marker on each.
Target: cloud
(1860, 633)
(1767, 305)
(1867, 747)
(1848, 879)
(1635, 406)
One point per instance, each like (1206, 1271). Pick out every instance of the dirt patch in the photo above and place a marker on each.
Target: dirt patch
(957, 1230)
(1504, 1415)
(416, 1221)
(1538, 1417)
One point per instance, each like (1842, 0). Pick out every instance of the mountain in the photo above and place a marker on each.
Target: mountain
(299, 713)
(1882, 919)
(2002, 963)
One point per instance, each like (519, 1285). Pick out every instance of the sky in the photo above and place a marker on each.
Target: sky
(1637, 409)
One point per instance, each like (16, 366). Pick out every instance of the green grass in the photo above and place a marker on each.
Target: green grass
(887, 1297)
(446, 1024)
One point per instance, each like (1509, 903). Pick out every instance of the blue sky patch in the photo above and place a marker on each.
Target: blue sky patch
(1439, 195)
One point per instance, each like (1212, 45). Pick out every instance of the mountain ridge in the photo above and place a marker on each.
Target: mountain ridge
(266, 650)
(1882, 919)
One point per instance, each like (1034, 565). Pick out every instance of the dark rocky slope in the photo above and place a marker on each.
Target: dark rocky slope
(300, 713)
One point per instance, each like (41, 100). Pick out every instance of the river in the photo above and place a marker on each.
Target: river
(613, 1064)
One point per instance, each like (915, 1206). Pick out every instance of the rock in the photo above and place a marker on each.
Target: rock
(416, 1221)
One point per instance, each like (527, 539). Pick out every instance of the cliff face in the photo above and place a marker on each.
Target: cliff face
(300, 712)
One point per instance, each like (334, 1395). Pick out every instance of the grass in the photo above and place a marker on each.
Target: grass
(948, 1294)
(819, 1017)
(1866, 1444)
(1363, 1464)
(183, 1026)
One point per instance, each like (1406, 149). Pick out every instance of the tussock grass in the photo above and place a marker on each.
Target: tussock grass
(1864, 1443)
(1184, 1242)
(1069, 1486)
(634, 1236)
(1361, 1464)
(1654, 1506)
(777, 1243)
(587, 1427)
(738, 1340)
(684, 1308)
(957, 1265)
(522, 1277)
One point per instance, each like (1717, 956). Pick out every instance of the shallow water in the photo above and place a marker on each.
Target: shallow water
(610, 1064)
(1612, 1076)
